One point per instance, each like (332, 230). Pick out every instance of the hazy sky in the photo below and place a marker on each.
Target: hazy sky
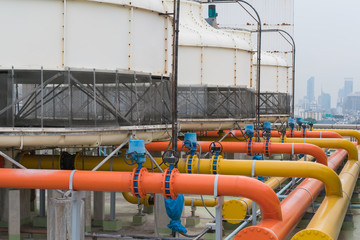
(327, 35)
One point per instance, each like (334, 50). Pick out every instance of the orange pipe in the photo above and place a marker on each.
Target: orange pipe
(242, 147)
(293, 207)
(297, 134)
(150, 183)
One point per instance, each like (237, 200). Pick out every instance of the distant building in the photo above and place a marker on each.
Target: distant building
(324, 101)
(348, 86)
(311, 89)
(352, 103)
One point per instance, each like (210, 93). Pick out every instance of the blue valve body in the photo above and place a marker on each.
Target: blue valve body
(291, 123)
(190, 141)
(137, 150)
(249, 131)
(267, 126)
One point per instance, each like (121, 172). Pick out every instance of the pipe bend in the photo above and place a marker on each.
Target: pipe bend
(242, 147)
(336, 143)
(301, 169)
(203, 184)
(344, 132)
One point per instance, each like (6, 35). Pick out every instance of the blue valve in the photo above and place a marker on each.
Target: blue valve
(190, 141)
(299, 122)
(249, 131)
(291, 123)
(267, 127)
(137, 151)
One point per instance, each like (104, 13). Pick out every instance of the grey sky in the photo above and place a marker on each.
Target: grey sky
(327, 35)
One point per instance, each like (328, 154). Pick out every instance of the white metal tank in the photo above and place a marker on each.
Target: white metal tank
(274, 75)
(209, 56)
(103, 34)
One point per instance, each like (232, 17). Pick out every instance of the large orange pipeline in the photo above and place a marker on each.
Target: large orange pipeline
(149, 183)
(242, 147)
(308, 134)
(293, 207)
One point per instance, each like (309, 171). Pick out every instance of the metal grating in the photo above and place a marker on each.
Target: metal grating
(37, 98)
(274, 103)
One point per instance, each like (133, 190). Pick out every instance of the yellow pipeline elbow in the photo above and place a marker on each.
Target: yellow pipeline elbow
(326, 143)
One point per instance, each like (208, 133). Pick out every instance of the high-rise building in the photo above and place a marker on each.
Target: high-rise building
(348, 86)
(310, 89)
(352, 103)
(324, 101)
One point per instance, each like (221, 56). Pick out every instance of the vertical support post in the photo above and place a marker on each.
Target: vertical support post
(112, 198)
(53, 102)
(14, 214)
(42, 97)
(70, 97)
(12, 97)
(42, 203)
(94, 85)
(99, 203)
(174, 108)
(88, 211)
(76, 215)
(112, 206)
(218, 218)
(117, 105)
(254, 214)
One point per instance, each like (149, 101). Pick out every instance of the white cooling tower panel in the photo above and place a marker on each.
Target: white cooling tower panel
(283, 79)
(243, 64)
(218, 66)
(268, 79)
(148, 42)
(97, 35)
(189, 65)
(30, 33)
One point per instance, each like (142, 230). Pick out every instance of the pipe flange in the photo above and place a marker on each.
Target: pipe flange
(215, 164)
(250, 148)
(137, 189)
(190, 159)
(267, 148)
(304, 133)
(167, 183)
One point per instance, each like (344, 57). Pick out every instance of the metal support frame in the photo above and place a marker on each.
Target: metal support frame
(111, 155)
(292, 43)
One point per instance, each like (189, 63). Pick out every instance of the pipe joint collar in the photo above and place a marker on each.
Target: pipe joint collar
(267, 148)
(250, 148)
(215, 164)
(190, 160)
(167, 183)
(137, 189)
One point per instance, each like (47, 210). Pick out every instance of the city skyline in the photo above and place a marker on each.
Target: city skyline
(320, 88)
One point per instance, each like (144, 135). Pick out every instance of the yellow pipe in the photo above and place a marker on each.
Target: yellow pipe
(134, 200)
(199, 203)
(273, 168)
(40, 161)
(326, 143)
(328, 219)
(346, 133)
